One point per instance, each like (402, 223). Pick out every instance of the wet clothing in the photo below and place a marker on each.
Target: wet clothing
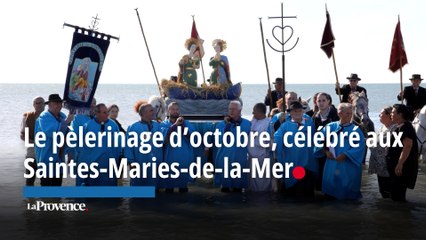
(234, 154)
(101, 155)
(342, 179)
(399, 184)
(183, 155)
(134, 155)
(49, 124)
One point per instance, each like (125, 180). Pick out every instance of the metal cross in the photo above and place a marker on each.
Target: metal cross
(94, 23)
(283, 42)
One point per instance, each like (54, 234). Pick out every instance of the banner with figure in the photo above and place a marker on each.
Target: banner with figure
(87, 57)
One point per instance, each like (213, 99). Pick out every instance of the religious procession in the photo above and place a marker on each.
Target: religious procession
(188, 107)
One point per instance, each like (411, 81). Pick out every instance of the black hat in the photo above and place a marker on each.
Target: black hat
(54, 98)
(294, 105)
(416, 77)
(278, 80)
(353, 76)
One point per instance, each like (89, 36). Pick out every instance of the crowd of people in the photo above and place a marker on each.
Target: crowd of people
(334, 171)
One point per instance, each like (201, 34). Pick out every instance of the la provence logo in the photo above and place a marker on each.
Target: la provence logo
(41, 206)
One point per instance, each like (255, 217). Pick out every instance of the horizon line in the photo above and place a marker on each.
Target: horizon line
(243, 83)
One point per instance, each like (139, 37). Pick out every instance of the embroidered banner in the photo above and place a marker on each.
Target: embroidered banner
(87, 56)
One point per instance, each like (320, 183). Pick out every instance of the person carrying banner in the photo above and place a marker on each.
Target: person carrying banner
(49, 122)
(347, 89)
(414, 95)
(275, 94)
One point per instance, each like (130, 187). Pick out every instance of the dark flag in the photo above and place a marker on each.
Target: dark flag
(398, 57)
(85, 64)
(327, 42)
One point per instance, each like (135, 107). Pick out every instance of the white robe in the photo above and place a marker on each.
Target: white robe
(259, 152)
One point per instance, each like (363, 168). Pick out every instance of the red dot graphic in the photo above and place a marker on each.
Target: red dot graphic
(299, 172)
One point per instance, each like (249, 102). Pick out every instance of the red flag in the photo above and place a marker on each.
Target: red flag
(194, 32)
(327, 42)
(398, 57)
(194, 35)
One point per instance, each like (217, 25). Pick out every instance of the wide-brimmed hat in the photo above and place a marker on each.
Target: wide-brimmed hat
(54, 98)
(294, 105)
(278, 80)
(354, 76)
(416, 77)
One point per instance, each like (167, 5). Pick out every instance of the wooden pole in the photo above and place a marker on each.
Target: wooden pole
(337, 78)
(149, 54)
(400, 78)
(202, 70)
(266, 64)
(400, 61)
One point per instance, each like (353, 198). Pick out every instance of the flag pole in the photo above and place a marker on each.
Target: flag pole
(400, 67)
(400, 78)
(337, 78)
(269, 87)
(327, 44)
(335, 69)
(201, 58)
(202, 70)
(149, 54)
(398, 56)
(266, 64)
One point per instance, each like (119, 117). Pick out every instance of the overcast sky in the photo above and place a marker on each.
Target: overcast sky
(34, 48)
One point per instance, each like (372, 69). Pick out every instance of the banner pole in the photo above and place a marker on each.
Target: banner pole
(266, 64)
(90, 31)
(400, 78)
(337, 78)
(149, 54)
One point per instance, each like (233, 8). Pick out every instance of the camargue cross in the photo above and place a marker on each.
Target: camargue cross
(282, 42)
